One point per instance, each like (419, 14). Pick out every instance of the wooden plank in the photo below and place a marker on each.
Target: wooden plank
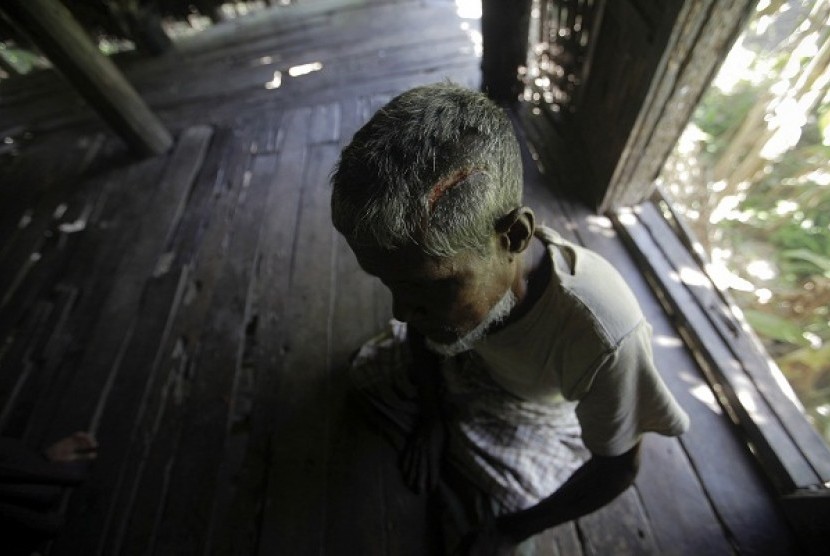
(257, 182)
(19, 368)
(120, 305)
(621, 527)
(29, 213)
(337, 67)
(93, 500)
(463, 72)
(19, 191)
(358, 458)
(172, 361)
(24, 362)
(226, 152)
(55, 232)
(744, 346)
(562, 540)
(208, 412)
(208, 416)
(237, 520)
(221, 106)
(111, 231)
(325, 124)
(132, 374)
(295, 501)
(681, 516)
(625, 58)
(691, 19)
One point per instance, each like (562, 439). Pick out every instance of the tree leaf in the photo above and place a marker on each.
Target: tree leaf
(775, 327)
(820, 261)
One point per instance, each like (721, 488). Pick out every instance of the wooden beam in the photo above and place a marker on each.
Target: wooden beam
(61, 39)
(504, 29)
(702, 36)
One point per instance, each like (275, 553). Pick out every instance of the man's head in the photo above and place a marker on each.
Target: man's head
(428, 195)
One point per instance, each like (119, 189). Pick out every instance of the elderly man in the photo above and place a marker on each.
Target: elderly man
(519, 363)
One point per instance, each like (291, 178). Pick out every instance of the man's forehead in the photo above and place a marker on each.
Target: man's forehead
(379, 260)
(411, 264)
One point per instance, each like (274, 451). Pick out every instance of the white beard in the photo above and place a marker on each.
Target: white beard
(465, 343)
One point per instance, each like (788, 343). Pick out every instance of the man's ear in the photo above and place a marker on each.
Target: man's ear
(515, 229)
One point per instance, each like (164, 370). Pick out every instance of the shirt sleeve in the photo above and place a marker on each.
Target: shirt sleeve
(626, 398)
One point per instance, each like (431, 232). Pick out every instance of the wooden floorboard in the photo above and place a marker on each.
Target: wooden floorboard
(87, 272)
(202, 320)
(119, 307)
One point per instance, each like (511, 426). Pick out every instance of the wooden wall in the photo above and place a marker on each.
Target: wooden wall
(596, 60)
(630, 43)
(632, 82)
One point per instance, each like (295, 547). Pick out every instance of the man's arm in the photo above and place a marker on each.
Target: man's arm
(595, 484)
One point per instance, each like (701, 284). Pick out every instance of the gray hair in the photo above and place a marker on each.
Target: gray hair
(437, 167)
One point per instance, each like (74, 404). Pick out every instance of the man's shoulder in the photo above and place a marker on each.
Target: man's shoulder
(594, 287)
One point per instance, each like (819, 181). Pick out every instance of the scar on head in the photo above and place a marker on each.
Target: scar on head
(442, 186)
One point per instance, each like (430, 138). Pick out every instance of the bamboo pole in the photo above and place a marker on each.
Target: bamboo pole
(61, 39)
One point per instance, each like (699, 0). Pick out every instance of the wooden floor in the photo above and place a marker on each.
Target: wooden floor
(196, 310)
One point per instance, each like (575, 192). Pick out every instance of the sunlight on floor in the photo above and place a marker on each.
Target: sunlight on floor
(748, 401)
(694, 277)
(470, 10)
(668, 341)
(294, 71)
(601, 225)
(704, 394)
(304, 69)
(275, 82)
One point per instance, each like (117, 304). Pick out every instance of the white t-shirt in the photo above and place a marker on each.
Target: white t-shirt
(585, 339)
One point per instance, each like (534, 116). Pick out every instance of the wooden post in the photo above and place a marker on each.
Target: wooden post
(504, 29)
(61, 39)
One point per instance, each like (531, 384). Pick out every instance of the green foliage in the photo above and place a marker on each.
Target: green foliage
(788, 211)
(718, 113)
(775, 327)
(782, 218)
(806, 262)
